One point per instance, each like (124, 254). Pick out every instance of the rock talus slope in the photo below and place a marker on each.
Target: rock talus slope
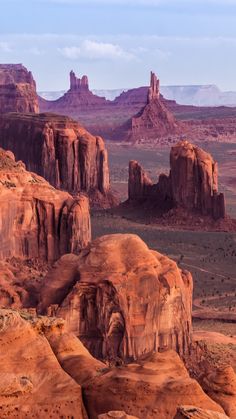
(38, 221)
(17, 89)
(121, 298)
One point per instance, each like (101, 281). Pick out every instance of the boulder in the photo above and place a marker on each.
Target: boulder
(17, 89)
(38, 221)
(121, 299)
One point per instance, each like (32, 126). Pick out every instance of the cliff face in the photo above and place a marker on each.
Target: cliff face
(122, 299)
(36, 219)
(17, 89)
(60, 150)
(191, 185)
(194, 178)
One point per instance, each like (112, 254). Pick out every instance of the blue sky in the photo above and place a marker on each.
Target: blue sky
(117, 42)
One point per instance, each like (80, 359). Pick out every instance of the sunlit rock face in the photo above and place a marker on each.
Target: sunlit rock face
(121, 299)
(17, 89)
(37, 220)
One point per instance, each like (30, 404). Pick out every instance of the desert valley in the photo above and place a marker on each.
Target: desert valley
(117, 254)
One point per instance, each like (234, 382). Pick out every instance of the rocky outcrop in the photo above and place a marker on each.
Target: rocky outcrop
(154, 120)
(32, 383)
(115, 414)
(38, 221)
(151, 388)
(75, 100)
(17, 89)
(135, 115)
(194, 178)
(61, 151)
(192, 183)
(121, 299)
(191, 412)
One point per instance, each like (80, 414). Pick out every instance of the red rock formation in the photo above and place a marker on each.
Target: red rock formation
(191, 185)
(153, 387)
(122, 299)
(75, 100)
(36, 219)
(32, 383)
(60, 150)
(194, 178)
(154, 120)
(192, 412)
(134, 115)
(115, 414)
(17, 89)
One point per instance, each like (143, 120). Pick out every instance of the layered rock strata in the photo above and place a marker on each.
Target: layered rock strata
(17, 89)
(192, 183)
(121, 298)
(60, 150)
(38, 221)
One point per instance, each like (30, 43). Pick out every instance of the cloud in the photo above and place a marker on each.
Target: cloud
(93, 50)
(5, 46)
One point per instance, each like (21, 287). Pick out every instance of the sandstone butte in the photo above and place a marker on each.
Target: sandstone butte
(60, 150)
(137, 114)
(38, 221)
(191, 185)
(45, 371)
(121, 299)
(17, 89)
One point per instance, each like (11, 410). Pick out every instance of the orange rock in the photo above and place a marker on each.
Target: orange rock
(62, 151)
(121, 298)
(191, 412)
(38, 221)
(152, 388)
(32, 383)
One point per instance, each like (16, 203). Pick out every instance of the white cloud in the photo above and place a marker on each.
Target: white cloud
(93, 50)
(5, 46)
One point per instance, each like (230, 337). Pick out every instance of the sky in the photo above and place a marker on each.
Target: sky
(118, 42)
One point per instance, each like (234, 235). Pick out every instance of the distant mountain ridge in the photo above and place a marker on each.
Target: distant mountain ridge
(198, 95)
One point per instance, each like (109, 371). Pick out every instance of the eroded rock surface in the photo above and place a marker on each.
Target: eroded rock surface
(191, 185)
(152, 388)
(32, 383)
(38, 221)
(191, 412)
(17, 89)
(121, 298)
(60, 150)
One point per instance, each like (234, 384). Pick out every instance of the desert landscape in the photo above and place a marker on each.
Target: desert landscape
(117, 248)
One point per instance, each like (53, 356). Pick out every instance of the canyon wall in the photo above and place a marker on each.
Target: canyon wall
(60, 150)
(38, 221)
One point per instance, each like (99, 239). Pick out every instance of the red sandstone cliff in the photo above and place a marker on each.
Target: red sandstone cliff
(17, 89)
(38, 221)
(121, 298)
(191, 185)
(60, 150)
